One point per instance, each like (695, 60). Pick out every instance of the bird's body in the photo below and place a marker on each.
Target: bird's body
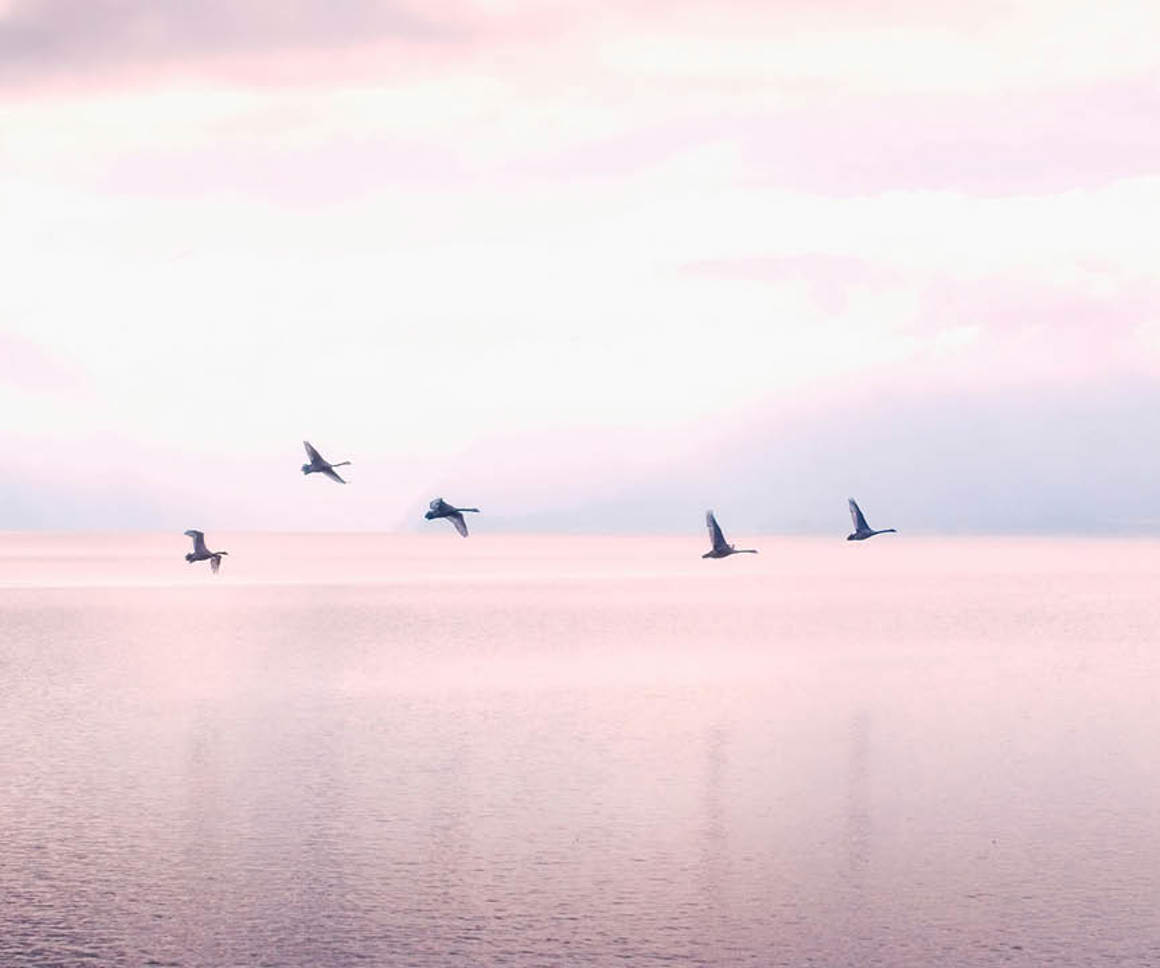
(721, 548)
(202, 553)
(862, 530)
(319, 465)
(441, 509)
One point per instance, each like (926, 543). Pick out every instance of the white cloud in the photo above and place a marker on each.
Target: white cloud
(395, 269)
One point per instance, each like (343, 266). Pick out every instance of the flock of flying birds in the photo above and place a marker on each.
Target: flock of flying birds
(439, 508)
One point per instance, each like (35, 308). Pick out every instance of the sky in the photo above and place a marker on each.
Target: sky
(590, 267)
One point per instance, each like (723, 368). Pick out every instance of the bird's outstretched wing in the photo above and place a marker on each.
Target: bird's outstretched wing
(858, 517)
(332, 474)
(315, 457)
(215, 562)
(715, 535)
(460, 525)
(198, 541)
(436, 505)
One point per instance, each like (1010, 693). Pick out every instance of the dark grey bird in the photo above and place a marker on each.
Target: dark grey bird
(862, 530)
(441, 509)
(202, 553)
(320, 465)
(721, 547)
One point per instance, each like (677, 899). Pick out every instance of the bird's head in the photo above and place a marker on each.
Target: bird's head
(430, 515)
(305, 468)
(851, 537)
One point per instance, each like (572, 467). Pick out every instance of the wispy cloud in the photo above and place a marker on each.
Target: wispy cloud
(493, 242)
(28, 365)
(63, 38)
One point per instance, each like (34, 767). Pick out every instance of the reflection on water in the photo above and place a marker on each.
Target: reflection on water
(533, 751)
(858, 803)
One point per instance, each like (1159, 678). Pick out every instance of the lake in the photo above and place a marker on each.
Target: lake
(569, 750)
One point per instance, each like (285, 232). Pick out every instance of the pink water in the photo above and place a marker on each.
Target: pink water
(385, 750)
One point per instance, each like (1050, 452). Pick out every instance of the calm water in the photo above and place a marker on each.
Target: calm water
(370, 750)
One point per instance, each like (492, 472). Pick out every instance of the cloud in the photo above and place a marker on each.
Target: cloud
(76, 37)
(364, 93)
(28, 366)
(689, 48)
(468, 244)
(1020, 460)
(832, 279)
(1015, 142)
(853, 142)
(1032, 45)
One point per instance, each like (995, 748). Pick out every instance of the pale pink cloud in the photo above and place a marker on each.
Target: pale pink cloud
(850, 143)
(1020, 333)
(557, 108)
(1085, 327)
(309, 175)
(123, 44)
(81, 34)
(1010, 304)
(63, 37)
(839, 146)
(993, 144)
(29, 366)
(833, 280)
(584, 235)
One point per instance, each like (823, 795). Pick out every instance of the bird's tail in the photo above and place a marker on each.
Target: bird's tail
(344, 463)
(476, 510)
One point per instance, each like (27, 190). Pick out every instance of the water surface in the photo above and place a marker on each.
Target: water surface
(381, 750)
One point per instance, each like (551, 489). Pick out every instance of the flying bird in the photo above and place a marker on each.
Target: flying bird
(202, 553)
(441, 509)
(721, 547)
(862, 530)
(320, 465)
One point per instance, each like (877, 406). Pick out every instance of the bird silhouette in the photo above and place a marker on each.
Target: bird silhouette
(202, 553)
(441, 509)
(320, 465)
(862, 530)
(721, 547)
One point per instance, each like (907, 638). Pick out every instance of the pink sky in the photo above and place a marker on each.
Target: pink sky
(548, 256)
